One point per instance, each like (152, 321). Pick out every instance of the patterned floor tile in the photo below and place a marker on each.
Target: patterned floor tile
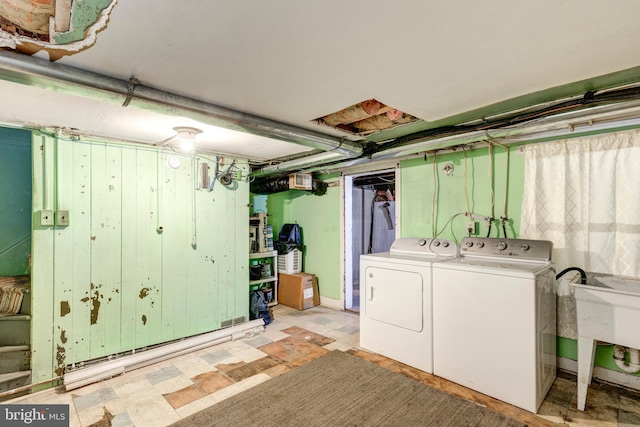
(215, 357)
(250, 369)
(122, 420)
(97, 397)
(163, 374)
(210, 382)
(258, 341)
(186, 395)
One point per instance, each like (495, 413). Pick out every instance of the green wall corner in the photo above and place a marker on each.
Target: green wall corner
(15, 209)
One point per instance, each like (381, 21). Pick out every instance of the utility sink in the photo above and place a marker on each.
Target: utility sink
(608, 309)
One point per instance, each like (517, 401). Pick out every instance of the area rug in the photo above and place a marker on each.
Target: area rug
(339, 389)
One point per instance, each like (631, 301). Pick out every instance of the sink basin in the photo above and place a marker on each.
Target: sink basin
(608, 309)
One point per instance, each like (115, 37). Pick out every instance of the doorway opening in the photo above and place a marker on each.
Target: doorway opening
(370, 224)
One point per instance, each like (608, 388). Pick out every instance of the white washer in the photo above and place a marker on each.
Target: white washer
(494, 319)
(395, 299)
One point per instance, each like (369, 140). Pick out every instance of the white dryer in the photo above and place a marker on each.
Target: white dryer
(395, 299)
(494, 319)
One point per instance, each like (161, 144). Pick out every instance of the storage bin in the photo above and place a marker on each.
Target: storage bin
(290, 263)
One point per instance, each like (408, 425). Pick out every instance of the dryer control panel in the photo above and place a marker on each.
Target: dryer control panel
(424, 246)
(526, 249)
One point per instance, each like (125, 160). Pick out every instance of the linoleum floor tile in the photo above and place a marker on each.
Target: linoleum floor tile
(183, 396)
(210, 382)
(150, 409)
(97, 397)
(562, 392)
(250, 369)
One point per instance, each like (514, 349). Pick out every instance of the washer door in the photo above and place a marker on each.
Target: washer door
(394, 297)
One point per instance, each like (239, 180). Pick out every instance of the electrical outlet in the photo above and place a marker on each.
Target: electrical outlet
(46, 217)
(62, 218)
(471, 227)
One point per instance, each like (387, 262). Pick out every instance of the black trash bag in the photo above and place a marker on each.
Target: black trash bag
(258, 308)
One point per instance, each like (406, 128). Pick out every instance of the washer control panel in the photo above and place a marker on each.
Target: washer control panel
(539, 250)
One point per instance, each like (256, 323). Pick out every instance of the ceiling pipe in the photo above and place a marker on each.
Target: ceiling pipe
(37, 72)
(566, 125)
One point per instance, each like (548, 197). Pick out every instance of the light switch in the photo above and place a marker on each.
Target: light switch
(62, 218)
(46, 217)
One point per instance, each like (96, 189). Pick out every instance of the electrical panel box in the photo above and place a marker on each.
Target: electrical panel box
(46, 217)
(62, 218)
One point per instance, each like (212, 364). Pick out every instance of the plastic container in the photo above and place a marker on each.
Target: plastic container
(290, 263)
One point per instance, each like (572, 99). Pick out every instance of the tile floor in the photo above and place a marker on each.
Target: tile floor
(163, 393)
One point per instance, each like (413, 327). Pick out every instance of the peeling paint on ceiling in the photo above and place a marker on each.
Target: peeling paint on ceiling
(58, 27)
(366, 117)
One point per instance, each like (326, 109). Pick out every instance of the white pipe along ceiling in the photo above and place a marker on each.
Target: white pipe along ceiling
(291, 87)
(42, 73)
(337, 151)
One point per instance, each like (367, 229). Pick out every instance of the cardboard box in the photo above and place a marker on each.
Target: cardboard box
(299, 290)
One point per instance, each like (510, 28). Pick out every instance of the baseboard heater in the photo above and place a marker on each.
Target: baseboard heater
(111, 368)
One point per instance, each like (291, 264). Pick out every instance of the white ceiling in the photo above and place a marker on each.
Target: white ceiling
(294, 61)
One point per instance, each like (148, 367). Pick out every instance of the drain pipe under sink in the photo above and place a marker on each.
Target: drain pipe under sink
(634, 359)
(583, 275)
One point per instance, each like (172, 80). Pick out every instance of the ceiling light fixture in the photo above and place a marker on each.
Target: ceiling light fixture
(183, 140)
(186, 137)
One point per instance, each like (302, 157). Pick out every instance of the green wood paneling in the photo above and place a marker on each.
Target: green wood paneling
(129, 266)
(110, 282)
(63, 247)
(79, 206)
(43, 358)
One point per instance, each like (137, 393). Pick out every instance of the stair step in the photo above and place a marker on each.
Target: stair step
(16, 317)
(15, 333)
(14, 358)
(12, 380)
(10, 348)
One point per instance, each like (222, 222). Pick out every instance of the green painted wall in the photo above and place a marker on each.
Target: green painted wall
(113, 280)
(417, 192)
(15, 208)
(319, 220)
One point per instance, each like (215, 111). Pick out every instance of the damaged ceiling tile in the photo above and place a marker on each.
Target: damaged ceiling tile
(59, 27)
(366, 118)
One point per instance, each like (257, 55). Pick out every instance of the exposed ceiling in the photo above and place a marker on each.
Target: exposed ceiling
(292, 62)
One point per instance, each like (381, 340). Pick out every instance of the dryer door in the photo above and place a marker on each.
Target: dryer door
(394, 297)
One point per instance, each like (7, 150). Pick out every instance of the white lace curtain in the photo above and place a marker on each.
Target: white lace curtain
(584, 195)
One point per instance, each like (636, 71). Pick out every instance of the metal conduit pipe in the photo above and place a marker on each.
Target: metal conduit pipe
(605, 119)
(37, 72)
(297, 164)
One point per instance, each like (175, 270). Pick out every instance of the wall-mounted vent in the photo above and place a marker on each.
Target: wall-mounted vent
(232, 322)
(300, 181)
(366, 117)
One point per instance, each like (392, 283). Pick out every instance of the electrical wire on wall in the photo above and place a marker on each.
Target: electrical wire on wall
(491, 192)
(466, 194)
(193, 207)
(503, 218)
(435, 193)
(215, 174)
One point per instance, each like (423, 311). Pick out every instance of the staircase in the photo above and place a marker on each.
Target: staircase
(15, 349)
